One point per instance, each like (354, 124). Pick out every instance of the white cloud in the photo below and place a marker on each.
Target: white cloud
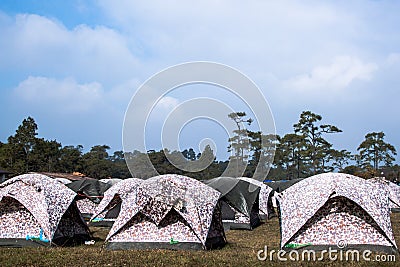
(168, 103)
(262, 34)
(163, 107)
(336, 76)
(289, 48)
(123, 92)
(59, 96)
(393, 58)
(42, 45)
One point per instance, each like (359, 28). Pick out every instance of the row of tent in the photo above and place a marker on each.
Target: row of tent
(178, 212)
(244, 201)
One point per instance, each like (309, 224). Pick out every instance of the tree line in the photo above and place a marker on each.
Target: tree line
(25, 152)
(304, 152)
(307, 152)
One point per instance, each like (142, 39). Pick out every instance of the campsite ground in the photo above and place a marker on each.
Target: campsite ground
(241, 251)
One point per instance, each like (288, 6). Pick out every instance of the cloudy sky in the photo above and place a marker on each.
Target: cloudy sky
(74, 65)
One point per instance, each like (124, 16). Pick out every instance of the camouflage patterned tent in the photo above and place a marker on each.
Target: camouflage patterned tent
(168, 211)
(266, 210)
(394, 196)
(36, 210)
(394, 192)
(333, 208)
(239, 200)
(107, 211)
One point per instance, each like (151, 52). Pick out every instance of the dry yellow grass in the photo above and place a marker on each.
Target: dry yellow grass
(241, 251)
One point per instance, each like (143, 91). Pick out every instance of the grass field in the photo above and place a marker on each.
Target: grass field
(240, 251)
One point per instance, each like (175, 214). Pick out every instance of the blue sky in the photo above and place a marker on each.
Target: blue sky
(74, 65)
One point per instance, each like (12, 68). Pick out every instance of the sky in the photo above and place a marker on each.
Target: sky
(74, 66)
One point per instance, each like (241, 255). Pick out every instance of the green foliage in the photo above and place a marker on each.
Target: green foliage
(119, 167)
(263, 148)
(71, 159)
(45, 155)
(317, 148)
(340, 159)
(352, 169)
(21, 146)
(139, 165)
(299, 154)
(374, 150)
(25, 152)
(189, 154)
(96, 162)
(239, 143)
(290, 156)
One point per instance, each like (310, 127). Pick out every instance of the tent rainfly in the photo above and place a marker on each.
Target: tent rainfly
(36, 210)
(333, 210)
(107, 211)
(90, 193)
(239, 201)
(266, 210)
(168, 211)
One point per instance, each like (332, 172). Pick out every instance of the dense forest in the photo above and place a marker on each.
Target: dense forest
(304, 152)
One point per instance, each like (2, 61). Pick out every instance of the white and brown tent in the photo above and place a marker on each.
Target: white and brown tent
(333, 209)
(36, 210)
(168, 211)
(394, 196)
(107, 211)
(394, 192)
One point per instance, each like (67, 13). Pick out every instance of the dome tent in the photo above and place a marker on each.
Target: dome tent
(394, 192)
(108, 209)
(394, 196)
(36, 210)
(328, 209)
(266, 210)
(239, 201)
(168, 211)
